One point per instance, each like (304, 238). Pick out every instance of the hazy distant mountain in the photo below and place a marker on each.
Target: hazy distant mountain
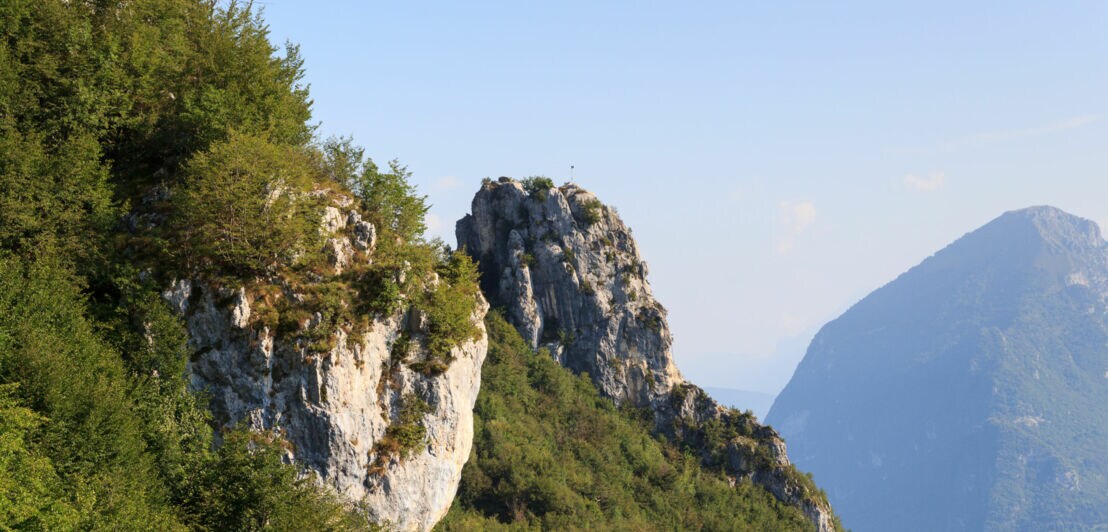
(971, 392)
(758, 402)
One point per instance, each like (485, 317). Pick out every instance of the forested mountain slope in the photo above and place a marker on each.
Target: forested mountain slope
(170, 224)
(552, 453)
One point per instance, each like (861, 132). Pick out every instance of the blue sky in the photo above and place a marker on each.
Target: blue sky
(777, 161)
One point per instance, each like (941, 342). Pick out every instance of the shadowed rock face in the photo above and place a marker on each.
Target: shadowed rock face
(568, 274)
(334, 406)
(970, 393)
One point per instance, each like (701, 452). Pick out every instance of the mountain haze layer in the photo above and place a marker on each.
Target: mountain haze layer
(757, 402)
(971, 392)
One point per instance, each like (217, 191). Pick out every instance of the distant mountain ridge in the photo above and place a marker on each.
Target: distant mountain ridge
(971, 392)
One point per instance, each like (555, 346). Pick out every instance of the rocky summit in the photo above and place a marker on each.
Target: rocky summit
(570, 278)
(970, 393)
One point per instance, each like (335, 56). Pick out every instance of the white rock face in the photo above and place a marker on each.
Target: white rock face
(334, 406)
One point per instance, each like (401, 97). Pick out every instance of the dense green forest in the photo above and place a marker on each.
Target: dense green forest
(550, 453)
(146, 141)
(118, 121)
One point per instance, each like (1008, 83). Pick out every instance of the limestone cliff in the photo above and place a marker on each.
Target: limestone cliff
(334, 400)
(569, 275)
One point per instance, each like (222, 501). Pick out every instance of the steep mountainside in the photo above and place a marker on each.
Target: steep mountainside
(569, 276)
(971, 392)
(550, 453)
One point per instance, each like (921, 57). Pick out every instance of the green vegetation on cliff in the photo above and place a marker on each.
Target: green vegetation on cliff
(141, 141)
(95, 438)
(550, 453)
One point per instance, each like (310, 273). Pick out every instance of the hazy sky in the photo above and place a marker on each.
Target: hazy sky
(777, 161)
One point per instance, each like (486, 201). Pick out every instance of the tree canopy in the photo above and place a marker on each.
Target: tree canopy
(140, 140)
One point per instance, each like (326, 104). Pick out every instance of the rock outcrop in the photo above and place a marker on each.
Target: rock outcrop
(335, 403)
(569, 275)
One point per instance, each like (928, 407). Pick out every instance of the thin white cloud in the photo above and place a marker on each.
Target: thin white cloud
(434, 223)
(934, 181)
(790, 322)
(1053, 127)
(795, 217)
(736, 193)
(435, 227)
(991, 137)
(445, 183)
